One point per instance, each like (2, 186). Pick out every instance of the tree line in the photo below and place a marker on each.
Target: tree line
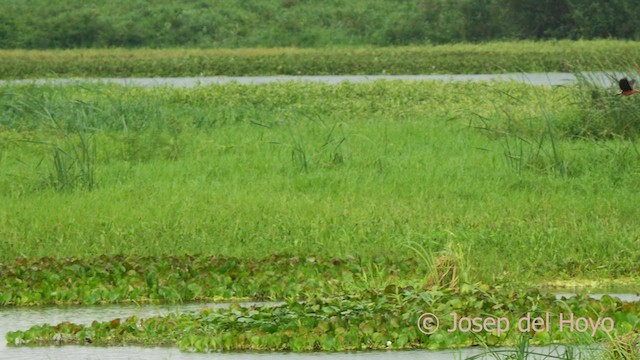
(43, 24)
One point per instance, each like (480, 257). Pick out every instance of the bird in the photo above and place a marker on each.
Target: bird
(627, 87)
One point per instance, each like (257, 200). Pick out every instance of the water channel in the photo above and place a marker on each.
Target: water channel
(602, 78)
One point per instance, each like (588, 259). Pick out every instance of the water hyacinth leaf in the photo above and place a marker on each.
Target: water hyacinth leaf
(402, 340)
(327, 320)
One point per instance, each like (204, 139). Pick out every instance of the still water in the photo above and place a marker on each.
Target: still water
(551, 79)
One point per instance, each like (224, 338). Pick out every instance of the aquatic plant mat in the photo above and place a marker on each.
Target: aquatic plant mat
(393, 317)
(175, 279)
(329, 305)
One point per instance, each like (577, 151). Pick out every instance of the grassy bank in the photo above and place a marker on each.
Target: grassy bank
(310, 169)
(551, 56)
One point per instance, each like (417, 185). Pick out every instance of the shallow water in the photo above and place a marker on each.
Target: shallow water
(551, 79)
(16, 318)
(113, 353)
(22, 318)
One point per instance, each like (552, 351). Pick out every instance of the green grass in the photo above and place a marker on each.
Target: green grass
(312, 169)
(360, 205)
(494, 57)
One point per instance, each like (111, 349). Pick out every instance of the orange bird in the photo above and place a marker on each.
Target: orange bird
(627, 87)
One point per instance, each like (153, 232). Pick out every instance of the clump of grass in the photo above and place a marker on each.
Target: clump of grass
(70, 143)
(522, 351)
(447, 268)
(624, 347)
(315, 144)
(59, 132)
(527, 127)
(602, 114)
(75, 167)
(534, 154)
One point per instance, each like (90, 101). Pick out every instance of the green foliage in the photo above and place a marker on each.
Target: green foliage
(602, 19)
(220, 170)
(540, 19)
(70, 145)
(235, 173)
(495, 57)
(40, 24)
(623, 347)
(171, 279)
(362, 322)
(604, 114)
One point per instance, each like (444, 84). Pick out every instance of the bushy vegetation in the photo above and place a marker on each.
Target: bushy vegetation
(42, 24)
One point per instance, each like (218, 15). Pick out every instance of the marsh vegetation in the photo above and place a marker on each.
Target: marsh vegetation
(359, 205)
(492, 57)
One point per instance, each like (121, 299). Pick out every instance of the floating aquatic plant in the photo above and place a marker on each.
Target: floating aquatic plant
(375, 320)
(171, 279)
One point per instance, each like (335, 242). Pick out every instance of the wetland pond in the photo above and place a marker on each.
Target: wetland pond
(20, 318)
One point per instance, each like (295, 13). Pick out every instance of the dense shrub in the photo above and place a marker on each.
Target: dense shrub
(41, 24)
